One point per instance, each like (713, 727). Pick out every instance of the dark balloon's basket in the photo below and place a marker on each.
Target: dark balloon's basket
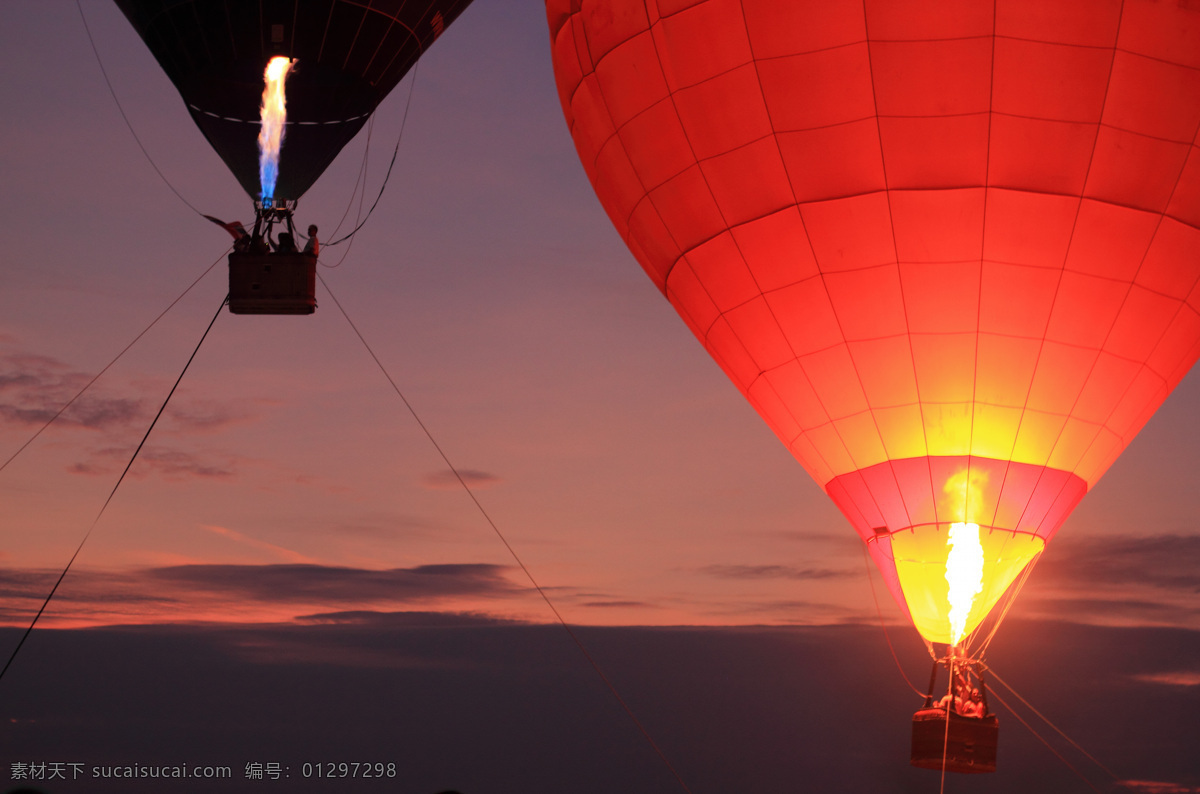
(969, 746)
(272, 283)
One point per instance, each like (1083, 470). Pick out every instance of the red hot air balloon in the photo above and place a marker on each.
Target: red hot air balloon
(947, 249)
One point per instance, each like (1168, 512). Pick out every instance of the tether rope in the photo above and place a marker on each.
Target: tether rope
(1012, 599)
(479, 506)
(1058, 730)
(129, 124)
(886, 636)
(387, 176)
(946, 737)
(1039, 736)
(111, 493)
(359, 181)
(115, 359)
(403, 122)
(362, 195)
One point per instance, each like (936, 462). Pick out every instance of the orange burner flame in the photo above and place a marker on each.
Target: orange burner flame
(964, 575)
(274, 117)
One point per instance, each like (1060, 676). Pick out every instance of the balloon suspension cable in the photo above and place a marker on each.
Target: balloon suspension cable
(887, 637)
(362, 172)
(111, 493)
(403, 122)
(360, 184)
(949, 708)
(268, 212)
(1010, 599)
(1038, 736)
(128, 123)
(114, 360)
(512, 552)
(959, 666)
(1044, 719)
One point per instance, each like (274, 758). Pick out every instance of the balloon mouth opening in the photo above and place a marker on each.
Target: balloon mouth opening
(951, 575)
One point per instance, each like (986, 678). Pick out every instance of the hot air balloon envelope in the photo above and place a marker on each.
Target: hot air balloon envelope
(948, 249)
(347, 55)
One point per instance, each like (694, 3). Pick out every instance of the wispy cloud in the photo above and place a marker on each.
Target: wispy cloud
(82, 586)
(1117, 580)
(1157, 787)
(247, 540)
(1184, 678)
(306, 583)
(805, 611)
(385, 526)
(172, 464)
(445, 478)
(1168, 562)
(34, 387)
(195, 415)
(177, 464)
(367, 617)
(772, 572)
(270, 592)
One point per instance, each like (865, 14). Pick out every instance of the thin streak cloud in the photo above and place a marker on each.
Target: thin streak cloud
(445, 478)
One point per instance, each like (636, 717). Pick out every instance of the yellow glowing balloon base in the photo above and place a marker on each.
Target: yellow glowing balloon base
(921, 554)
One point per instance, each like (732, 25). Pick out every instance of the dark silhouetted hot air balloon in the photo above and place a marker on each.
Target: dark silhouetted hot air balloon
(337, 59)
(348, 56)
(948, 249)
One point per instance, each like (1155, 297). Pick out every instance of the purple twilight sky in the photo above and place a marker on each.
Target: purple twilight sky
(289, 549)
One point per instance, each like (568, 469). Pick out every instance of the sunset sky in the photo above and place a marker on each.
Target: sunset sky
(287, 486)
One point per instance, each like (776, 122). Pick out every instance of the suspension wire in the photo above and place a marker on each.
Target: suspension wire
(886, 636)
(1012, 599)
(129, 124)
(362, 172)
(115, 359)
(111, 493)
(1072, 742)
(408, 103)
(512, 552)
(345, 253)
(949, 708)
(1038, 736)
(403, 121)
(360, 181)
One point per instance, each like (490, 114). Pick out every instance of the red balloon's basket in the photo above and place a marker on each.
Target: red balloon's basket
(272, 283)
(969, 746)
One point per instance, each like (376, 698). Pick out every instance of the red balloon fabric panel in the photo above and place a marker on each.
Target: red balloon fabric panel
(945, 216)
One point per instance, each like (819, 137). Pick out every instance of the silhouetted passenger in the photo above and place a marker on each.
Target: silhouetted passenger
(285, 245)
(313, 246)
(974, 705)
